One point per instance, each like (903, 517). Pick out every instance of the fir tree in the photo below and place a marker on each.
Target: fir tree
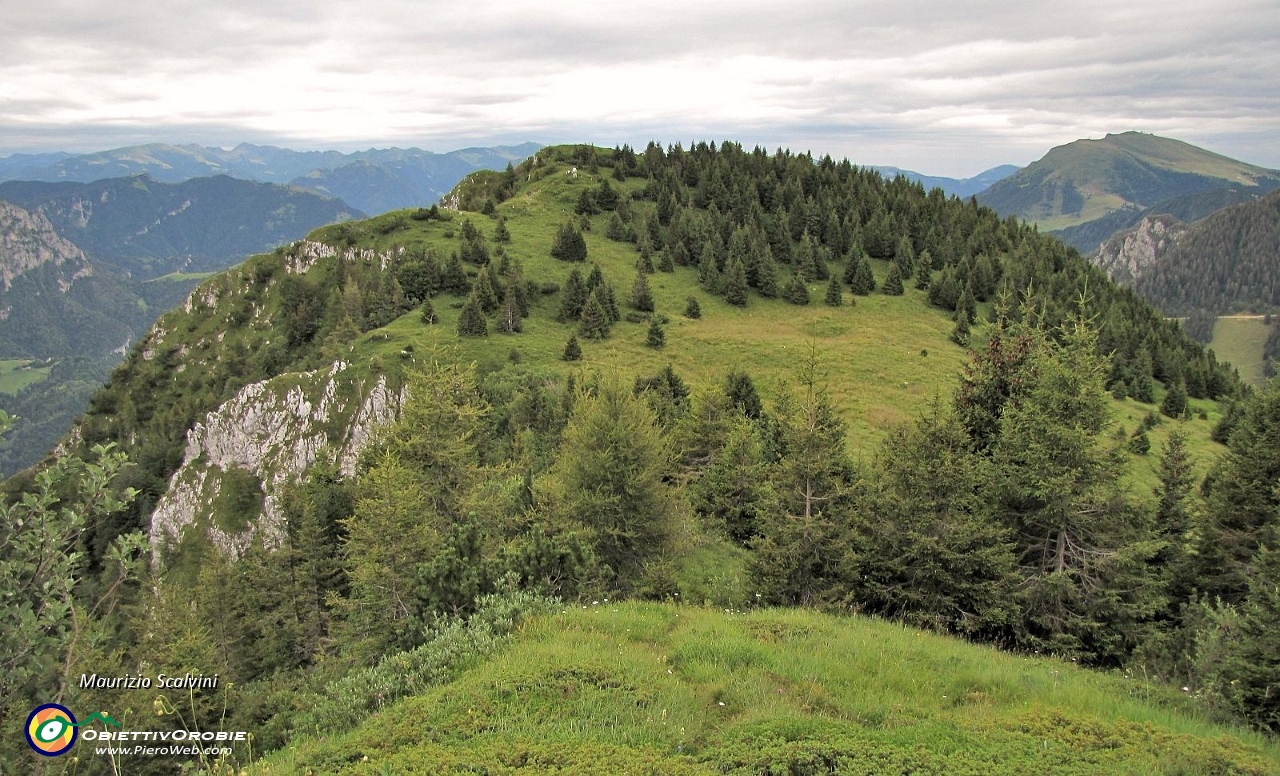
(428, 312)
(572, 350)
(594, 323)
(575, 297)
(644, 262)
(767, 277)
(863, 281)
(834, 292)
(569, 244)
(641, 297)
(509, 318)
(665, 264)
(500, 232)
(796, 291)
(892, 283)
(486, 292)
(960, 333)
(454, 278)
(471, 322)
(1175, 399)
(904, 257)
(708, 274)
(616, 230)
(967, 305)
(692, 309)
(734, 283)
(656, 337)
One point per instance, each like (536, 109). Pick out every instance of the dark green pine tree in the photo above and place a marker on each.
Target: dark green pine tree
(509, 318)
(892, 283)
(472, 323)
(486, 292)
(428, 312)
(923, 278)
(796, 291)
(500, 232)
(766, 276)
(905, 258)
(734, 283)
(665, 264)
(454, 278)
(644, 262)
(641, 297)
(616, 230)
(960, 333)
(834, 292)
(656, 337)
(1175, 399)
(610, 303)
(596, 278)
(708, 273)
(806, 259)
(863, 281)
(575, 296)
(569, 244)
(692, 309)
(594, 323)
(572, 350)
(968, 305)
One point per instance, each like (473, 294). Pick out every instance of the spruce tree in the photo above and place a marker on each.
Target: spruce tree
(472, 323)
(610, 303)
(509, 317)
(692, 309)
(665, 264)
(864, 282)
(892, 283)
(644, 262)
(486, 292)
(500, 232)
(905, 258)
(656, 337)
(767, 276)
(616, 230)
(454, 278)
(1175, 399)
(734, 283)
(967, 305)
(708, 274)
(641, 297)
(569, 244)
(594, 322)
(960, 333)
(796, 291)
(834, 292)
(572, 350)
(575, 296)
(428, 312)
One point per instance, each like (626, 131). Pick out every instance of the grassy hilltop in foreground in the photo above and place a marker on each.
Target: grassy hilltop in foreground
(606, 688)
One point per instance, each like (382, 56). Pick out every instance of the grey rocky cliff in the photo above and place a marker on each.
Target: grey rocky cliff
(273, 430)
(28, 240)
(1127, 255)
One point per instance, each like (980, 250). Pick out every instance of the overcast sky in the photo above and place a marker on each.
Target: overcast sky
(947, 88)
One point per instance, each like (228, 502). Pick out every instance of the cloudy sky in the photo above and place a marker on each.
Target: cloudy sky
(948, 88)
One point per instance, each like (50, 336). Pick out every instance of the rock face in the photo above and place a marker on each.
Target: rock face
(28, 240)
(1126, 256)
(269, 433)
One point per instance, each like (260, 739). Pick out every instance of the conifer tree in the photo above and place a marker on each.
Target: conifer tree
(644, 262)
(428, 312)
(967, 306)
(594, 323)
(471, 322)
(454, 278)
(766, 276)
(641, 297)
(509, 318)
(806, 263)
(610, 303)
(692, 309)
(796, 291)
(572, 350)
(734, 492)
(665, 264)
(892, 283)
(863, 281)
(735, 283)
(500, 232)
(904, 257)
(708, 274)
(616, 230)
(1175, 399)
(834, 292)
(575, 297)
(486, 292)
(656, 337)
(569, 244)
(610, 480)
(960, 333)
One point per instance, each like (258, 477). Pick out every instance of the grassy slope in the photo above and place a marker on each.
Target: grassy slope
(16, 374)
(1240, 341)
(871, 352)
(656, 688)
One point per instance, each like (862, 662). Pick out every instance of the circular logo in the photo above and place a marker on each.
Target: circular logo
(51, 729)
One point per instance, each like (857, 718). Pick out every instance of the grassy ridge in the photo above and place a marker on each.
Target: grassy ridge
(658, 688)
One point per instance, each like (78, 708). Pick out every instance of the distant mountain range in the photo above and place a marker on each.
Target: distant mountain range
(1088, 190)
(372, 181)
(959, 187)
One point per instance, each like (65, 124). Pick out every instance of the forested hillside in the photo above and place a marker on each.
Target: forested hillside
(708, 376)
